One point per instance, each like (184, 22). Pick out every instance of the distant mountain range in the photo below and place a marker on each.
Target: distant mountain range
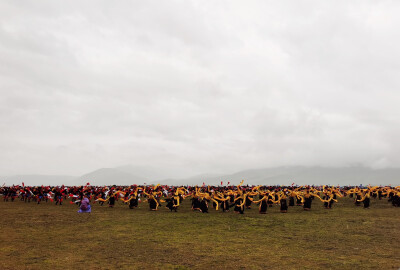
(36, 179)
(127, 175)
(300, 175)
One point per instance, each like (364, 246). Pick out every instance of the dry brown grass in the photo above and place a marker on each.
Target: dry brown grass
(47, 236)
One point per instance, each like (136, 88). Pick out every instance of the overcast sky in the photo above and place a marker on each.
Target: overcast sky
(198, 86)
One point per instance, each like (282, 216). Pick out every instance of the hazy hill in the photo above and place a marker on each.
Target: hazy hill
(127, 175)
(207, 178)
(155, 174)
(303, 175)
(110, 176)
(31, 180)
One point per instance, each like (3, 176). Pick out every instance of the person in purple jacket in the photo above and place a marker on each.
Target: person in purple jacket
(85, 206)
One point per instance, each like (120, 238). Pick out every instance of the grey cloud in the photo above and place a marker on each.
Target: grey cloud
(195, 87)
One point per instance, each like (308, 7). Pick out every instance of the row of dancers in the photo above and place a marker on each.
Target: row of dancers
(238, 197)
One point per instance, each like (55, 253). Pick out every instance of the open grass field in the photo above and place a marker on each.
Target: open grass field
(47, 236)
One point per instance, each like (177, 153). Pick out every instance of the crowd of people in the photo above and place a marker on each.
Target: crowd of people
(225, 198)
